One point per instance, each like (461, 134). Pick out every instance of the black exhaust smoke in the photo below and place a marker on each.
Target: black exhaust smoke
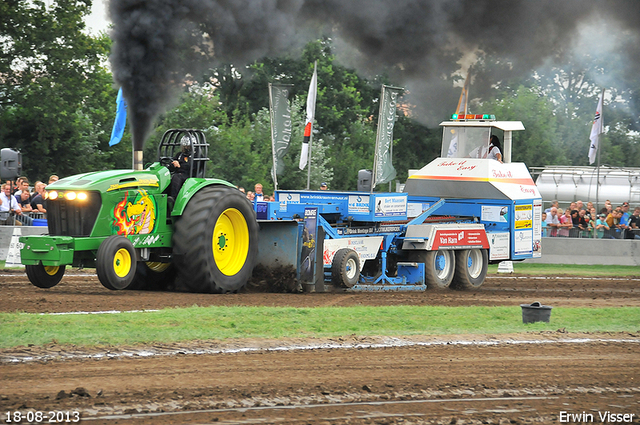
(150, 57)
(158, 43)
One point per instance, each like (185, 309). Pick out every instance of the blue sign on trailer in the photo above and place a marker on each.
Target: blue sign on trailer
(361, 206)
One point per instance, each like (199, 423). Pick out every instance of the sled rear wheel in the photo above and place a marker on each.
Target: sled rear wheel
(439, 267)
(471, 268)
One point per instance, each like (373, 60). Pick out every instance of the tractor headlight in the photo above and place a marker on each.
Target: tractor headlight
(70, 195)
(53, 195)
(82, 196)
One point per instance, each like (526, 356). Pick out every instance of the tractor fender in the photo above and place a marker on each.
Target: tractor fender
(190, 188)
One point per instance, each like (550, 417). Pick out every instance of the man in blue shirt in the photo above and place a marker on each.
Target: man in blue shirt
(624, 219)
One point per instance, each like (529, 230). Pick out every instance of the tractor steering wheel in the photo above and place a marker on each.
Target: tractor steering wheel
(166, 161)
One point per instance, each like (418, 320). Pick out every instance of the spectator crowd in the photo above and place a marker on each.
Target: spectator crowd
(583, 221)
(21, 203)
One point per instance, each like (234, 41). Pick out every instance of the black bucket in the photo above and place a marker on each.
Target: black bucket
(535, 312)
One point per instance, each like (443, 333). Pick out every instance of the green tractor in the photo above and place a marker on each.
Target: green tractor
(126, 225)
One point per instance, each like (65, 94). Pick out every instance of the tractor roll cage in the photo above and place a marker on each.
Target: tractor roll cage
(171, 144)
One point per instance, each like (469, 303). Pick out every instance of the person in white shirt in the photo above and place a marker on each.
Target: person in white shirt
(494, 149)
(10, 204)
(259, 196)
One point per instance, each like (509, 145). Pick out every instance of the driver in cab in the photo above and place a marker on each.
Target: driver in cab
(180, 167)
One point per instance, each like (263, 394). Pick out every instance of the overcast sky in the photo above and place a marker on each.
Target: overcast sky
(98, 20)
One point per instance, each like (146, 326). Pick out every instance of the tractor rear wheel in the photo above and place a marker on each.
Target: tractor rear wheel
(116, 262)
(215, 243)
(471, 268)
(44, 276)
(439, 267)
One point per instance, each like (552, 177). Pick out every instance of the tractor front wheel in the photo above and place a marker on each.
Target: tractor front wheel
(215, 244)
(116, 262)
(44, 276)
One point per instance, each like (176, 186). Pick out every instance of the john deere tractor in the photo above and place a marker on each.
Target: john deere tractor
(126, 225)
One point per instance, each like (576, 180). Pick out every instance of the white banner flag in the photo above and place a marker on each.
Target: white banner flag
(596, 130)
(311, 111)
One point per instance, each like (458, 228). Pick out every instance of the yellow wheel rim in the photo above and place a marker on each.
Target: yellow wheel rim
(51, 270)
(230, 242)
(157, 266)
(122, 262)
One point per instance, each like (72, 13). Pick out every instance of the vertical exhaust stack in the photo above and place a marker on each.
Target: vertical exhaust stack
(137, 161)
(138, 132)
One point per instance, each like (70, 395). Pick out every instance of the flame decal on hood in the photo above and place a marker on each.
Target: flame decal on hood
(133, 218)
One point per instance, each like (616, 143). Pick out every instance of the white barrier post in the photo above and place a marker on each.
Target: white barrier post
(13, 256)
(505, 267)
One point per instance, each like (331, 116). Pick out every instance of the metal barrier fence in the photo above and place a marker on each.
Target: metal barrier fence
(11, 219)
(589, 234)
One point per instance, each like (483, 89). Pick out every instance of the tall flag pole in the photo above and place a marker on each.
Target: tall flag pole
(120, 121)
(305, 155)
(594, 148)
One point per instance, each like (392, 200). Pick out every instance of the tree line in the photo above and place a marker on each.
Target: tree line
(57, 105)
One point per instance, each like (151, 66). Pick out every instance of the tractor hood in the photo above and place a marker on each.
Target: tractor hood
(156, 176)
(472, 179)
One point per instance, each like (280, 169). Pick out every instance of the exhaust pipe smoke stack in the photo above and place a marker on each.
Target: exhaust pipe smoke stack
(137, 161)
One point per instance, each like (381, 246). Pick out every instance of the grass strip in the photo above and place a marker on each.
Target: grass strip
(220, 323)
(538, 269)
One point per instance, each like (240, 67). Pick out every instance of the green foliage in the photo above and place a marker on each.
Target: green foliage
(557, 103)
(414, 146)
(218, 323)
(540, 143)
(344, 136)
(58, 103)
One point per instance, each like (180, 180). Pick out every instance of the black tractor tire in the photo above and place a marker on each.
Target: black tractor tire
(471, 269)
(153, 276)
(116, 262)
(439, 267)
(345, 268)
(215, 243)
(44, 276)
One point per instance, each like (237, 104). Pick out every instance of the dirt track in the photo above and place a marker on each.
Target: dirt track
(457, 379)
(81, 291)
